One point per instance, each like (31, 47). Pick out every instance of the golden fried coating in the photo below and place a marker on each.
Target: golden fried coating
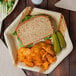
(21, 58)
(48, 49)
(48, 41)
(40, 55)
(45, 65)
(28, 63)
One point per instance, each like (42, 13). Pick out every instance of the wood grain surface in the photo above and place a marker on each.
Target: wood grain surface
(68, 66)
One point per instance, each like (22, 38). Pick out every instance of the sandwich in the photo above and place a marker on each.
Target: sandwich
(34, 29)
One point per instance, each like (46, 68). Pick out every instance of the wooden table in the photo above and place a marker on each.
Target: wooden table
(68, 66)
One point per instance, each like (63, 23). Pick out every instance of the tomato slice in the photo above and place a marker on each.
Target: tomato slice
(5, 0)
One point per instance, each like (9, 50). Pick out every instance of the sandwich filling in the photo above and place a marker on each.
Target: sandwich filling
(34, 29)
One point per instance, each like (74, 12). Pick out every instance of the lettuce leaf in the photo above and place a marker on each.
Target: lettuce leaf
(15, 33)
(29, 45)
(47, 38)
(21, 45)
(27, 18)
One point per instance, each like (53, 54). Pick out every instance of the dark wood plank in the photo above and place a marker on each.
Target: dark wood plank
(63, 68)
(63, 11)
(43, 6)
(31, 73)
(73, 37)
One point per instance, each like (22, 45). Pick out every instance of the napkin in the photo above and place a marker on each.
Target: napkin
(6, 66)
(67, 4)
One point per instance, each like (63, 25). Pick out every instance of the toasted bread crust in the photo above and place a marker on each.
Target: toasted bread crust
(31, 20)
(26, 11)
(62, 25)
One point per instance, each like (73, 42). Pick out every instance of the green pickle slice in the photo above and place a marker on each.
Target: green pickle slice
(61, 39)
(57, 47)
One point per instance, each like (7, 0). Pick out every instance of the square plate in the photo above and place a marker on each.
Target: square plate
(13, 44)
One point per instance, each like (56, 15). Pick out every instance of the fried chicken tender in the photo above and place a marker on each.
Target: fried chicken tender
(38, 62)
(36, 55)
(45, 65)
(43, 54)
(40, 55)
(48, 49)
(24, 56)
(27, 51)
(21, 58)
(28, 63)
(50, 58)
(20, 54)
(46, 45)
(48, 41)
(20, 51)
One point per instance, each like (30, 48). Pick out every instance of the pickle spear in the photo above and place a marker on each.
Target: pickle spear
(57, 48)
(61, 39)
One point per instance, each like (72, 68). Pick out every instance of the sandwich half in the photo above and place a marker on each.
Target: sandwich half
(34, 29)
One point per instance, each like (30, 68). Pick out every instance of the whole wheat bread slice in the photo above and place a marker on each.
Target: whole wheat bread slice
(34, 29)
